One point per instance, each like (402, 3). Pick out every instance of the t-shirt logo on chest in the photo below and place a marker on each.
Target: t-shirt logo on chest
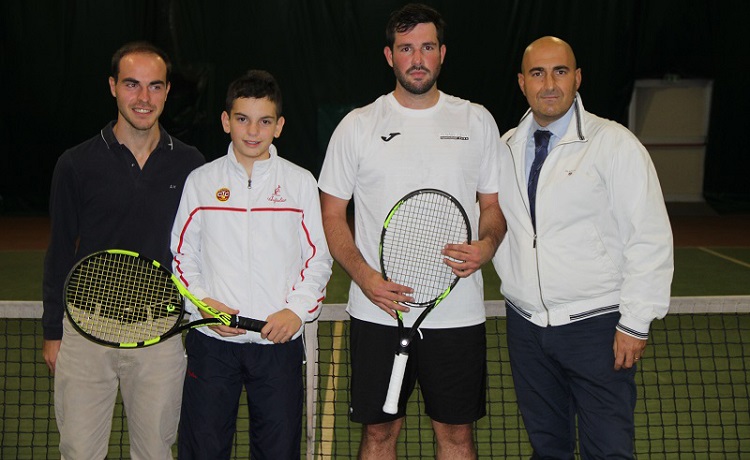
(276, 196)
(455, 136)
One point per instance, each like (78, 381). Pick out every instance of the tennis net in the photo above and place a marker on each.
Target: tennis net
(693, 386)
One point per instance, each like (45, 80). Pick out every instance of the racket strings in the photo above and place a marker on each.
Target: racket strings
(413, 242)
(120, 298)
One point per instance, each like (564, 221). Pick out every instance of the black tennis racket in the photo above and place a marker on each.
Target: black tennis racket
(122, 299)
(414, 235)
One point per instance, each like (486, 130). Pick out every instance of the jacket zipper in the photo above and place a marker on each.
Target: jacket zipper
(536, 254)
(579, 124)
(539, 278)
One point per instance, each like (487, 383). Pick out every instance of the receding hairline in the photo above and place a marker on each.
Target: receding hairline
(547, 41)
(138, 47)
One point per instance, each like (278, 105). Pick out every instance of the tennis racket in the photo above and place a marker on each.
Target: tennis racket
(411, 243)
(122, 299)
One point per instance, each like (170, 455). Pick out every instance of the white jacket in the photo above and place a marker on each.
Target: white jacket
(603, 242)
(257, 246)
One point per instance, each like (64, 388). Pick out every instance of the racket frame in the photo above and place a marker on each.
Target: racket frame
(401, 357)
(218, 318)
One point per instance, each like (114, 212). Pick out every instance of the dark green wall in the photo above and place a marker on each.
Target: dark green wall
(328, 57)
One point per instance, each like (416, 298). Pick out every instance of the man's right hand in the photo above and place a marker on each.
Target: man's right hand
(385, 294)
(382, 293)
(50, 350)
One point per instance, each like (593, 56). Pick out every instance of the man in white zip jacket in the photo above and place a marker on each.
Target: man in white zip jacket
(586, 266)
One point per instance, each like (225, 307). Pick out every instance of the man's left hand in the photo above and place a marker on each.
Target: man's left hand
(628, 350)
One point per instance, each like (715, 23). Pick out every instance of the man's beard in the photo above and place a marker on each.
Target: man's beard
(417, 88)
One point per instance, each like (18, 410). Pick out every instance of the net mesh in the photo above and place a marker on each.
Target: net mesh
(692, 390)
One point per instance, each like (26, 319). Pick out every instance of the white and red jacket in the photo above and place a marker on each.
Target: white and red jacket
(255, 244)
(602, 242)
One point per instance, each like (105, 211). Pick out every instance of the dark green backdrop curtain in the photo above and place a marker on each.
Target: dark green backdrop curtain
(328, 57)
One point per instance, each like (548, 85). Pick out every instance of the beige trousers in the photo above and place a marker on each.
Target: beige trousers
(87, 377)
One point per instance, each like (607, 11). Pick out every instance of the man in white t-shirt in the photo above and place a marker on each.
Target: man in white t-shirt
(415, 137)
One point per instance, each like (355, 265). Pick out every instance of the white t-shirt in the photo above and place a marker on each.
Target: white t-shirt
(381, 152)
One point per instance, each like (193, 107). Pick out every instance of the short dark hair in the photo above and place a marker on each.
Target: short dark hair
(255, 84)
(139, 47)
(406, 18)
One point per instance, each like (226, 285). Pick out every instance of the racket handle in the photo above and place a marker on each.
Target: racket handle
(394, 387)
(248, 324)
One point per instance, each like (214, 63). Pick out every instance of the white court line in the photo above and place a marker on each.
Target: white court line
(730, 259)
(328, 420)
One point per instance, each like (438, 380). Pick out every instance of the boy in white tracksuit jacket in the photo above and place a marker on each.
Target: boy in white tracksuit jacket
(257, 246)
(248, 239)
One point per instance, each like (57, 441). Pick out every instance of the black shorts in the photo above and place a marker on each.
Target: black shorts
(450, 365)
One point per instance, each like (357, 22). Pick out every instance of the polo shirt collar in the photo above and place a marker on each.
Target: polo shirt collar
(108, 135)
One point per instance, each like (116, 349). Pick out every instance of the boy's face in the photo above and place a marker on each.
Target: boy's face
(252, 126)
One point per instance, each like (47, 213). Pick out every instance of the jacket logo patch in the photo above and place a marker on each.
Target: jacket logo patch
(456, 137)
(276, 197)
(570, 171)
(222, 194)
(389, 137)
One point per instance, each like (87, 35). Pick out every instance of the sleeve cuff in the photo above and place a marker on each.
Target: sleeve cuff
(305, 312)
(53, 333)
(634, 328)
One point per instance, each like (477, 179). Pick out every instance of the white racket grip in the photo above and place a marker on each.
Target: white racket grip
(394, 387)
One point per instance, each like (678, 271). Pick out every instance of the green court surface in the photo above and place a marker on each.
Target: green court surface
(692, 396)
(692, 383)
(698, 272)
